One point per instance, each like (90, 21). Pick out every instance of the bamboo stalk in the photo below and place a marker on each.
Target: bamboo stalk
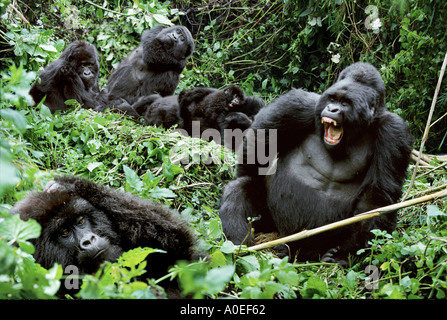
(357, 218)
(427, 127)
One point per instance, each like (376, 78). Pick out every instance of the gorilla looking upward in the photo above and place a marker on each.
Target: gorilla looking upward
(153, 67)
(339, 154)
(85, 224)
(73, 76)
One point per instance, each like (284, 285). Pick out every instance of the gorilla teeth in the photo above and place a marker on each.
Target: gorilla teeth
(333, 131)
(329, 121)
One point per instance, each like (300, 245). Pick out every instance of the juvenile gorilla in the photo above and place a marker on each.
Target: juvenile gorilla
(85, 224)
(153, 67)
(73, 76)
(223, 109)
(339, 154)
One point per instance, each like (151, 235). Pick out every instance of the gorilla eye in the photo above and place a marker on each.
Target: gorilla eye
(65, 233)
(81, 221)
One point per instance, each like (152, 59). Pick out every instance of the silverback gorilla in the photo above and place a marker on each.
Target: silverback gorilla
(153, 67)
(339, 154)
(74, 75)
(85, 224)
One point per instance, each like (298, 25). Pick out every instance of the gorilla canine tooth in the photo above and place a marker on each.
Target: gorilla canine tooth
(329, 121)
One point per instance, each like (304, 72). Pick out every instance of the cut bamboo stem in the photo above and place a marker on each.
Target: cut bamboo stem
(357, 218)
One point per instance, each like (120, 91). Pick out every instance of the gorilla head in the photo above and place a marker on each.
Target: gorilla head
(73, 231)
(350, 106)
(85, 224)
(83, 59)
(170, 46)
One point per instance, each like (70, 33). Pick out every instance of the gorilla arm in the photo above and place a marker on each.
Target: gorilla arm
(292, 115)
(387, 171)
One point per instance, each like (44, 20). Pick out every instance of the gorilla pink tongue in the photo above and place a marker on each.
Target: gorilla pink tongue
(332, 130)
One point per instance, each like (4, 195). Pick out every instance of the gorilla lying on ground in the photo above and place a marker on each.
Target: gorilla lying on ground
(85, 224)
(160, 111)
(73, 76)
(339, 154)
(153, 67)
(217, 109)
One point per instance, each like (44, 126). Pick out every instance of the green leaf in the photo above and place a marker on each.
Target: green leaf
(48, 47)
(93, 165)
(162, 19)
(217, 278)
(14, 229)
(135, 256)
(170, 170)
(315, 287)
(158, 193)
(26, 246)
(289, 277)
(218, 259)
(227, 247)
(247, 264)
(16, 118)
(132, 179)
(214, 229)
(351, 279)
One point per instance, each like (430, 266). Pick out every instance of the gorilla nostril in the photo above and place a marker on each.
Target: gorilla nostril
(87, 241)
(333, 108)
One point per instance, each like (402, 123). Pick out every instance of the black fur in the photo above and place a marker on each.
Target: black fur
(74, 75)
(160, 111)
(152, 68)
(217, 109)
(120, 220)
(325, 172)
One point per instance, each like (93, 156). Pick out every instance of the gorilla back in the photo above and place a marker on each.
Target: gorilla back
(85, 224)
(339, 154)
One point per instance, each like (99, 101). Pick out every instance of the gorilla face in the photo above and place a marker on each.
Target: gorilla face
(234, 96)
(84, 61)
(80, 234)
(349, 107)
(75, 233)
(87, 72)
(178, 41)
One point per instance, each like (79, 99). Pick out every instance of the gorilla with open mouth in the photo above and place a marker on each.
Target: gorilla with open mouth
(339, 154)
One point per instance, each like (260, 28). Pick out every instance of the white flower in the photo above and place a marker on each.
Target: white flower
(335, 58)
(376, 24)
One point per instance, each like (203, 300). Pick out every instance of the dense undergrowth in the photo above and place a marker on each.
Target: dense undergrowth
(266, 58)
